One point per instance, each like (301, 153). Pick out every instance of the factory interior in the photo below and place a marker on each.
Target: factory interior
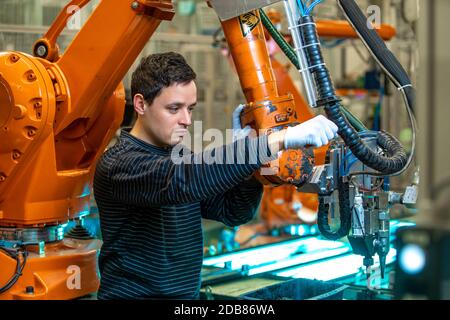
(365, 217)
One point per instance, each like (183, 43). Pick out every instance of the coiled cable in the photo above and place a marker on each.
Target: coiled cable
(395, 159)
(344, 214)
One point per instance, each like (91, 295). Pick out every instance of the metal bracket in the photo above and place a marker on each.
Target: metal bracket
(158, 9)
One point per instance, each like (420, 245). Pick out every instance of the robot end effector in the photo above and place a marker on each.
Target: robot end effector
(345, 185)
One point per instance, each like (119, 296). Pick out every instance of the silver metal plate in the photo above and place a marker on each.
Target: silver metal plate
(32, 235)
(227, 9)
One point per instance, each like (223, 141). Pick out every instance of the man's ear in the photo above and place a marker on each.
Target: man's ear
(139, 104)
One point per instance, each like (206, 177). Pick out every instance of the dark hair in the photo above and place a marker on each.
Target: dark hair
(158, 71)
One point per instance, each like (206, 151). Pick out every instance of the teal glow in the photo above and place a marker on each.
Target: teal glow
(300, 259)
(292, 230)
(186, 7)
(395, 224)
(277, 255)
(412, 259)
(333, 269)
(294, 254)
(301, 230)
(86, 191)
(83, 213)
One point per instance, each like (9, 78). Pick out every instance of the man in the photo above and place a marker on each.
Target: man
(151, 207)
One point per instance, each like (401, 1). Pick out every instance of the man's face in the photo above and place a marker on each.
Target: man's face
(167, 119)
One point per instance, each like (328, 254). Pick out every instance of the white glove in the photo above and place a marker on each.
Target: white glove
(238, 131)
(317, 132)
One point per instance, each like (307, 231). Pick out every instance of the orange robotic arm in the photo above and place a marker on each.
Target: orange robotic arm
(46, 47)
(266, 109)
(274, 102)
(343, 29)
(56, 117)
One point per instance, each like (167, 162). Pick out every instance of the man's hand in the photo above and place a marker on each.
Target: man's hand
(317, 132)
(238, 131)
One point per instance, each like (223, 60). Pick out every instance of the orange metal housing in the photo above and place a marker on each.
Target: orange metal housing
(67, 271)
(266, 110)
(277, 202)
(56, 119)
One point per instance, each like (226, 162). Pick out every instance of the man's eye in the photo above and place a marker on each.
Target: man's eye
(191, 109)
(173, 110)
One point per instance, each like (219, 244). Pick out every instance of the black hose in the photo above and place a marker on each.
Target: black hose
(290, 54)
(375, 44)
(19, 268)
(396, 158)
(344, 214)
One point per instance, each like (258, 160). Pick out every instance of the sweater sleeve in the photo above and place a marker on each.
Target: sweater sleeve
(237, 206)
(147, 180)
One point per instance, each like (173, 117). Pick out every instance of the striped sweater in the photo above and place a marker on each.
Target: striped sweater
(150, 211)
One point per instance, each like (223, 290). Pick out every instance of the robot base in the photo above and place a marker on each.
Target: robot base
(61, 271)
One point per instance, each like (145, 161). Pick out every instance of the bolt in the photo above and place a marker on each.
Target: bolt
(16, 155)
(29, 290)
(293, 155)
(135, 5)
(31, 132)
(31, 76)
(14, 58)
(383, 215)
(2, 177)
(41, 51)
(19, 112)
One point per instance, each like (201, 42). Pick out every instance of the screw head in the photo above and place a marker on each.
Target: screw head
(31, 76)
(135, 5)
(14, 58)
(41, 51)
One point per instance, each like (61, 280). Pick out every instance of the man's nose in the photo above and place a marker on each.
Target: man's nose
(186, 118)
